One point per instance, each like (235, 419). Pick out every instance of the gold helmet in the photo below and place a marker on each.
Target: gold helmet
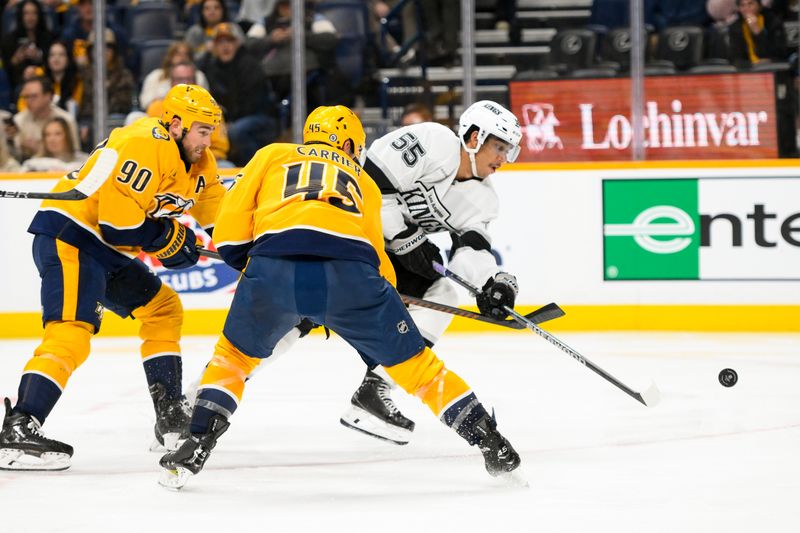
(190, 103)
(334, 125)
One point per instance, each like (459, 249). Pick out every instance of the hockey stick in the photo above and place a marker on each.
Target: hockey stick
(103, 166)
(649, 398)
(543, 314)
(205, 252)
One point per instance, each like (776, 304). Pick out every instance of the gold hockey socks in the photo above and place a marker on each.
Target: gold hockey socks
(161, 321)
(443, 391)
(64, 348)
(426, 377)
(160, 330)
(222, 384)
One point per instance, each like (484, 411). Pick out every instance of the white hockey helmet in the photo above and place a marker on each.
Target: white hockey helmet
(491, 119)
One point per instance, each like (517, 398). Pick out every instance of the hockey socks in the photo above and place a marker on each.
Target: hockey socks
(222, 384)
(426, 377)
(36, 396)
(463, 415)
(167, 370)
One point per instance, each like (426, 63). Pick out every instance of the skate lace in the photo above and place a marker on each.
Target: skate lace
(383, 394)
(34, 429)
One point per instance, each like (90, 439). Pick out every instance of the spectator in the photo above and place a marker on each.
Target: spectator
(30, 72)
(442, 22)
(415, 114)
(276, 48)
(242, 90)
(505, 13)
(59, 151)
(252, 14)
(785, 9)
(398, 34)
(76, 33)
(722, 11)
(756, 35)
(63, 72)
(26, 44)
(200, 35)
(7, 162)
(612, 13)
(119, 87)
(666, 13)
(38, 95)
(157, 83)
(186, 72)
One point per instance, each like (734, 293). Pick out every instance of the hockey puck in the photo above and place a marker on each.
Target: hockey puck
(728, 377)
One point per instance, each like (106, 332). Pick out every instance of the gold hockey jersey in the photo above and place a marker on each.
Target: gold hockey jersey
(302, 200)
(149, 180)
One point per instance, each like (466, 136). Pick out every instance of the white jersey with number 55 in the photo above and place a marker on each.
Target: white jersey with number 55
(415, 168)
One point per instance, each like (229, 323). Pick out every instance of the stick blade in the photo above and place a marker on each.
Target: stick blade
(651, 397)
(545, 313)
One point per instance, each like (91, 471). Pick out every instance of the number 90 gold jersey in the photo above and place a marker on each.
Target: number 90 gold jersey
(295, 200)
(149, 180)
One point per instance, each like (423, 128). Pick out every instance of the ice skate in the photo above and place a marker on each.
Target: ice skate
(500, 459)
(24, 447)
(373, 412)
(188, 460)
(172, 419)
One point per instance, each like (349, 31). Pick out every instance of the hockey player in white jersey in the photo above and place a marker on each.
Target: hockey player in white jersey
(435, 181)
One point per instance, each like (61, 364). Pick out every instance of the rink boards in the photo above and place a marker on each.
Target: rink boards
(693, 246)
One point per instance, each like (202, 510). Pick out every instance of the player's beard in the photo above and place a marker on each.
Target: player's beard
(188, 153)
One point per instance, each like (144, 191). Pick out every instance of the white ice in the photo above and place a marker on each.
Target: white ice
(707, 459)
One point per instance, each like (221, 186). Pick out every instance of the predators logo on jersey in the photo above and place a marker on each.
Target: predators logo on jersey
(159, 133)
(170, 205)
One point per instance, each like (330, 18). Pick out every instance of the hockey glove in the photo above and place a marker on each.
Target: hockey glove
(415, 252)
(305, 326)
(498, 291)
(176, 246)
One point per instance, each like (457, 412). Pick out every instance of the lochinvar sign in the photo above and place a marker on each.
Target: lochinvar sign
(711, 116)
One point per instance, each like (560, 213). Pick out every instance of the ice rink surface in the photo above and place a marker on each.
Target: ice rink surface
(707, 459)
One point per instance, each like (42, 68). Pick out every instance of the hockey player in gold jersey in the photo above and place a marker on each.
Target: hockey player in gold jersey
(151, 171)
(303, 223)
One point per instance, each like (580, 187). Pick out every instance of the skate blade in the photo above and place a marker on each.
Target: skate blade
(516, 478)
(174, 479)
(11, 459)
(359, 420)
(172, 441)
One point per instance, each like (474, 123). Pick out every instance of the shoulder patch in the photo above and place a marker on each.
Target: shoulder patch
(158, 134)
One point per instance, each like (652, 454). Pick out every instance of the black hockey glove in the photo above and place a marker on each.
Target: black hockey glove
(415, 252)
(175, 247)
(305, 326)
(498, 291)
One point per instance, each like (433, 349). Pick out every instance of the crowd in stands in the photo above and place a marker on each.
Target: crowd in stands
(238, 49)
(241, 51)
(754, 29)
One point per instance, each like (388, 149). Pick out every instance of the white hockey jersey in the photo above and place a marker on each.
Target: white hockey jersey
(415, 167)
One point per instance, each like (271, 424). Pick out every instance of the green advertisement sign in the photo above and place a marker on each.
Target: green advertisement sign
(651, 229)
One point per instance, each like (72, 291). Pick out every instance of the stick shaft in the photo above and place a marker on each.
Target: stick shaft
(552, 339)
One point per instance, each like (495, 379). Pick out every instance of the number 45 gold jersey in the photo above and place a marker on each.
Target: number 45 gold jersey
(295, 200)
(149, 180)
